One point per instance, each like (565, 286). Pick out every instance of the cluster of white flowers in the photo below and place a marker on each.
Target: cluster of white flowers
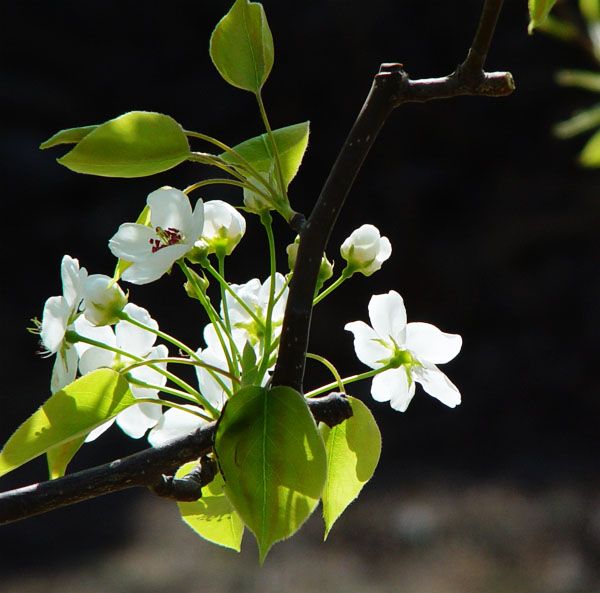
(92, 325)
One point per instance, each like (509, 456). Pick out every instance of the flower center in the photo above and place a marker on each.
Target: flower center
(165, 237)
(402, 358)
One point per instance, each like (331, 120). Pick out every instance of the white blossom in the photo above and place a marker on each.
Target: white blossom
(223, 229)
(103, 298)
(175, 423)
(365, 250)
(413, 349)
(152, 250)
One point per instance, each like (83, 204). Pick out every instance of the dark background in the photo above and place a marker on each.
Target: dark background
(493, 225)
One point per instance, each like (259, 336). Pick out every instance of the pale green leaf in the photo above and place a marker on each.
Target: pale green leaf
(583, 121)
(272, 459)
(590, 9)
(69, 413)
(59, 457)
(590, 155)
(583, 79)
(68, 136)
(212, 517)
(135, 144)
(559, 28)
(538, 11)
(241, 46)
(353, 449)
(291, 142)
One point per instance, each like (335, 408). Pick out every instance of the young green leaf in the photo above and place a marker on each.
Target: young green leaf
(538, 11)
(59, 457)
(291, 143)
(135, 144)
(590, 155)
(590, 9)
(212, 517)
(68, 414)
(249, 366)
(272, 459)
(241, 46)
(68, 136)
(353, 449)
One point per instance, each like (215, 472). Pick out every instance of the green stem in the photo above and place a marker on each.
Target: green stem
(263, 114)
(267, 221)
(190, 188)
(343, 277)
(331, 368)
(347, 380)
(168, 404)
(179, 360)
(164, 389)
(237, 357)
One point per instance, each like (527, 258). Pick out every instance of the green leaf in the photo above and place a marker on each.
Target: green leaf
(249, 367)
(68, 136)
(135, 144)
(583, 79)
(559, 28)
(590, 9)
(69, 413)
(59, 457)
(538, 11)
(241, 46)
(272, 459)
(583, 121)
(291, 143)
(353, 449)
(590, 155)
(212, 517)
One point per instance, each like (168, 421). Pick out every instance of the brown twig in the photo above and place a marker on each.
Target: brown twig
(391, 88)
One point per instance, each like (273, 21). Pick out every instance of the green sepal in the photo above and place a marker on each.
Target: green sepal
(353, 450)
(72, 412)
(272, 459)
(538, 11)
(241, 46)
(249, 366)
(135, 144)
(59, 457)
(291, 142)
(68, 136)
(212, 517)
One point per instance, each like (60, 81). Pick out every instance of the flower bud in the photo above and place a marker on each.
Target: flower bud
(103, 299)
(224, 227)
(325, 269)
(365, 250)
(260, 202)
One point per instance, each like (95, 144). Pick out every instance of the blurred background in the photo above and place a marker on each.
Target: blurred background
(494, 228)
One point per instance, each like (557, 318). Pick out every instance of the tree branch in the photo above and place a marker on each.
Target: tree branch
(151, 468)
(391, 88)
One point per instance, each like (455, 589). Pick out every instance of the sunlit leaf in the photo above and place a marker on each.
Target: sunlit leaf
(68, 136)
(353, 450)
(69, 413)
(59, 457)
(273, 461)
(241, 46)
(291, 144)
(538, 11)
(135, 144)
(212, 517)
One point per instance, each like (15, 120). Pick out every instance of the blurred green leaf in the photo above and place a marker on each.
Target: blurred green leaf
(241, 46)
(583, 79)
(272, 459)
(353, 450)
(212, 517)
(135, 144)
(72, 412)
(583, 121)
(590, 155)
(590, 9)
(538, 11)
(559, 28)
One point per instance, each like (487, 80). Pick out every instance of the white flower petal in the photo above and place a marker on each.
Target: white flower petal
(393, 386)
(169, 208)
(208, 381)
(193, 229)
(135, 339)
(388, 316)
(173, 424)
(132, 242)
(146, 374)
(436, 384)
(94, 358)
(64, 370)
(427, 342)
(54, 323)
(73, 279)
(367, 344)
(92, 436)
(136, 420)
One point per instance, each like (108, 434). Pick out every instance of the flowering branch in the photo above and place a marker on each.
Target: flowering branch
(391, 88)
(151, 468)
